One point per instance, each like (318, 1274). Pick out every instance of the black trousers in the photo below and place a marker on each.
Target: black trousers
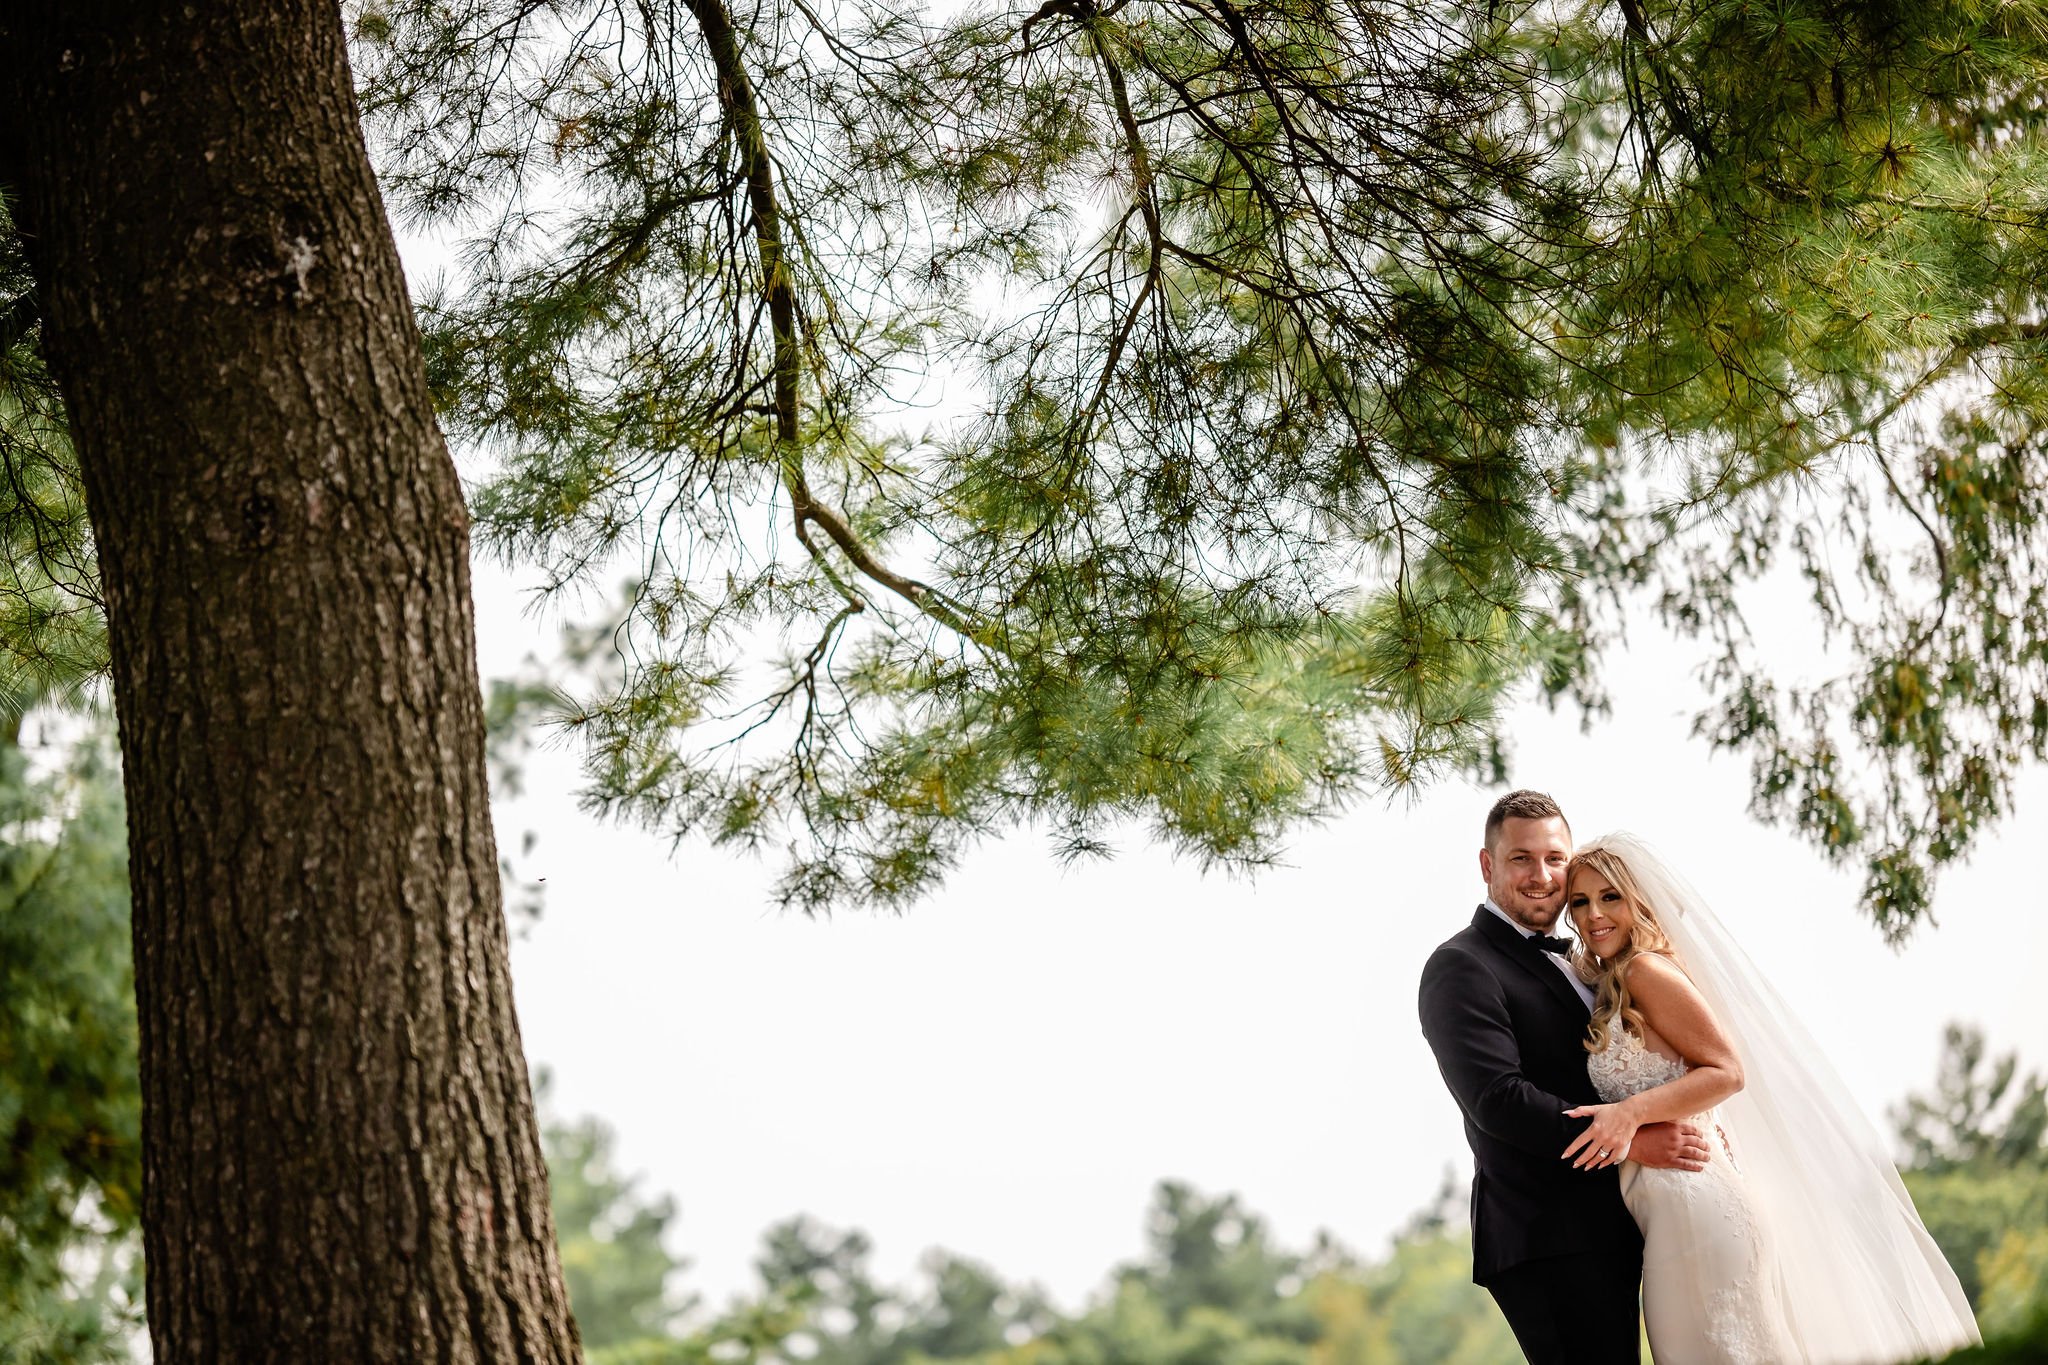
(1575, 1310)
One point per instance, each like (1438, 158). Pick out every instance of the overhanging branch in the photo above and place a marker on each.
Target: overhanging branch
(736, 96)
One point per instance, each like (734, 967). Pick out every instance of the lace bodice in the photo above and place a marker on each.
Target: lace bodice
(1627, 1066)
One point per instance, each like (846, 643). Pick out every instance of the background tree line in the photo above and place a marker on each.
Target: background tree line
(1213, 1288)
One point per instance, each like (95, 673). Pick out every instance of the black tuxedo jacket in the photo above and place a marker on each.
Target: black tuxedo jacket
(1509, 1036)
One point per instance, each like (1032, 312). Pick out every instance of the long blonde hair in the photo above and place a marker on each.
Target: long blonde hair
(1609, 979)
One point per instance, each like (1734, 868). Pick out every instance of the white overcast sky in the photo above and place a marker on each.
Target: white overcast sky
(1007, 1069)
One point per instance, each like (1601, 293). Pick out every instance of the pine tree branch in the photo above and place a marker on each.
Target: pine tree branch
(1944, 579)
(1979, 339)
(737, 98)
(16, 320)
(1636, 21)
(742, 111)
(1976, 210)
(1148, 208)
(1287, 292)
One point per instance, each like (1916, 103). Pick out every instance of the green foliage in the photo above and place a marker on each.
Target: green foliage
(2015, 1272)
(1326, 371)
(1982, 1113)
(1211, 1290)
(1210, 1253)
(1419, 1305)
(70, 1108)
(1820, 333)
(52, 624)
(1312, 377)
(620, 1275)
(1254, 511)
(1970, 1212)
(1978, 1172)
(2026, 1346)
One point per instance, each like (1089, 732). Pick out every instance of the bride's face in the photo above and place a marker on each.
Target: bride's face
(1600, 913)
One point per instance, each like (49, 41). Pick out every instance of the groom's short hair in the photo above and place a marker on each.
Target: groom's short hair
(1521, 805)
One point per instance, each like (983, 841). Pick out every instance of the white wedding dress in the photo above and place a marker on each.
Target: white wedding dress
(1798, 1245)
(1712, 1294)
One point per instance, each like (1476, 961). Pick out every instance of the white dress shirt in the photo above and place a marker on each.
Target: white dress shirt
(1585, 991)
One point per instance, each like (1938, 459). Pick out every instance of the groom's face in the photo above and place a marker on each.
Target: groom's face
(1524, 869)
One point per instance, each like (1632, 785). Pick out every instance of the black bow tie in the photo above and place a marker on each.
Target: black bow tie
(1561, 946)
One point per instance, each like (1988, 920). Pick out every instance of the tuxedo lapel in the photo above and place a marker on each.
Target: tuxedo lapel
(1528, 957)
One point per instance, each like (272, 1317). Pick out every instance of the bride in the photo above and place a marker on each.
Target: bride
(1799, 1241)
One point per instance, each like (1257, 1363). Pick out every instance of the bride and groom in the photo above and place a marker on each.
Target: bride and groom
(1644, 1110)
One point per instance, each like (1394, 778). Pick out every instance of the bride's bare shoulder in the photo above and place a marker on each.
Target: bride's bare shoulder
(1676, 1019)
(1657, 974)
(1660, 965)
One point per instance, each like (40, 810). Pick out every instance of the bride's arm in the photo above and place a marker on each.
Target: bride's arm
(1672, 1006)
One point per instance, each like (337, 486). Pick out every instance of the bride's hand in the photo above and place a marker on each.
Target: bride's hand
(1606, 1140)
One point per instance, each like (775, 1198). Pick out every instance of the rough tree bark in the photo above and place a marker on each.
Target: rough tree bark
(341, 1160)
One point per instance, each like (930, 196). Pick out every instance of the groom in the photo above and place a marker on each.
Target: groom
(1506, 1017)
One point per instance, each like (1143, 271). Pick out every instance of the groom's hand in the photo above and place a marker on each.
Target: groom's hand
(1670, 1147)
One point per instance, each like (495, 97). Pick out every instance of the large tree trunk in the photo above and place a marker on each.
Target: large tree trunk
(341, 1160)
